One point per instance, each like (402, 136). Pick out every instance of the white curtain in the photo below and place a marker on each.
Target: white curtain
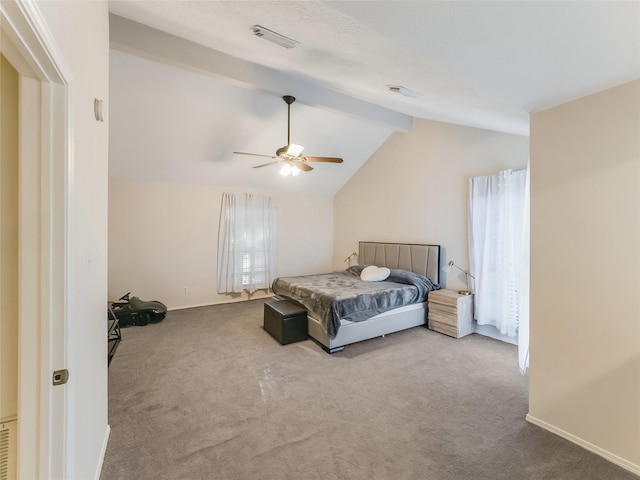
(523, 326)
(247, 243)
(496, 216)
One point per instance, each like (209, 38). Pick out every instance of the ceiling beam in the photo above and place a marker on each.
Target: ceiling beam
(132, 37)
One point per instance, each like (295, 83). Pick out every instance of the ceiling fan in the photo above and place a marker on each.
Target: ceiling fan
(290, 156)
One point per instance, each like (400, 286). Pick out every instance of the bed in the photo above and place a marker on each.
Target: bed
(366, 315)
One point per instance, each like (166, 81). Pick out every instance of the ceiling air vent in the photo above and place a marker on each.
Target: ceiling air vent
(403, 91)
(274, 37)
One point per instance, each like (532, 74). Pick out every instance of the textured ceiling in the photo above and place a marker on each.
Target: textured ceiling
(481, 64)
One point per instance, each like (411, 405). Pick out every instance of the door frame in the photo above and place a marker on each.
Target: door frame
(44, 165)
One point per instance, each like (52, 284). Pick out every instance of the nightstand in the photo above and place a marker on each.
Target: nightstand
(450, 313)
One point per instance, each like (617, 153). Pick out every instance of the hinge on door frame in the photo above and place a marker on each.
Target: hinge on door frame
(60, 377)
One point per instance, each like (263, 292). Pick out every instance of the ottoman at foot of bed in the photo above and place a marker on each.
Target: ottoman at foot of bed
(285, 321)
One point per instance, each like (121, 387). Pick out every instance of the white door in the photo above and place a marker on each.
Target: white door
(9, 142)
(41, 253)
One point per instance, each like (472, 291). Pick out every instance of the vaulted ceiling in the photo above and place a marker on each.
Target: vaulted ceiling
(190, 83)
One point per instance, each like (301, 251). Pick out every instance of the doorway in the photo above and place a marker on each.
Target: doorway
(33, 205)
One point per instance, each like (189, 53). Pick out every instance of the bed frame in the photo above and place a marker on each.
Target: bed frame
(417, 258)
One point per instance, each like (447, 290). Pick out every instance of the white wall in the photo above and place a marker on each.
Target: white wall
(163, 237)
(414, 189)
(81, 32)
(585, 288)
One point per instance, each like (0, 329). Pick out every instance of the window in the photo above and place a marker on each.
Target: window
(247, 243)
(496, 222)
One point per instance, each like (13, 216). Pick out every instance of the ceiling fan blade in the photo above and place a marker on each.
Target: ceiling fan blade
(324, 159)
(266, 164)
(254, 154)
(303, 166)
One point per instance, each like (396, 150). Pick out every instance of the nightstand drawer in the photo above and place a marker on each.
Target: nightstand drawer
(450, 330)
(440, 309)
(444, 318)
(445, 297)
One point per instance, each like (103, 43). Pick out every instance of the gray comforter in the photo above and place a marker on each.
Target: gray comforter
(332, 297)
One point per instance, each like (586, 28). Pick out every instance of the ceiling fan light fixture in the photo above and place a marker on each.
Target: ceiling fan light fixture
(403, 91)
(285, 170)
(288, 169)
(286, 42)
(295, 150)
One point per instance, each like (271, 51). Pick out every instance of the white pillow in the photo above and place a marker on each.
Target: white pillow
(374, 274)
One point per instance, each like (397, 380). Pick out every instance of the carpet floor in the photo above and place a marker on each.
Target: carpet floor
(208, 394)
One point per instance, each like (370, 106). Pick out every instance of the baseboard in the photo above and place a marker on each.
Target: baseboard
(184, 307)
(218, 303)
(621, 462)
(105, 442)
(492, 332)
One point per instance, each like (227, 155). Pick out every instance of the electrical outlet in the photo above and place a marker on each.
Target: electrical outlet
(185, 291)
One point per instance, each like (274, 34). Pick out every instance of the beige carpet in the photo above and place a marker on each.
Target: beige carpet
(208, 394)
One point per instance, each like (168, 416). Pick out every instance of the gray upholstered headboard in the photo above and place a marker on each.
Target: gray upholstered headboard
(417, 258)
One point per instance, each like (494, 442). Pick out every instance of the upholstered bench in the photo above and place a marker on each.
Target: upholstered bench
(285, 321)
